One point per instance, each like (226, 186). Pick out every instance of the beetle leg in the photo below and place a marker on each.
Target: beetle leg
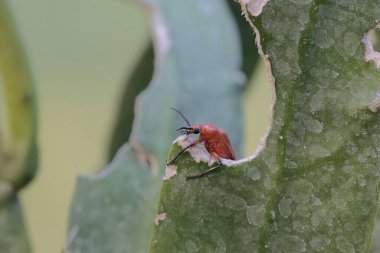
(207, 171)
(180, 153)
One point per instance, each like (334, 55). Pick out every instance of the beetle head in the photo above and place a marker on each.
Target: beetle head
(194, 129)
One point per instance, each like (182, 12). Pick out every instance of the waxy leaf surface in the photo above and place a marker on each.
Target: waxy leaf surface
(314, 187)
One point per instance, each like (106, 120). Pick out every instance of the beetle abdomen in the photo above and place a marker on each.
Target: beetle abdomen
(221, 147)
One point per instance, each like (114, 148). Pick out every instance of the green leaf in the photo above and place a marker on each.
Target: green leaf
(114, 207)
(18, 120)
(114, 210)
(314, 186)
(13, 237)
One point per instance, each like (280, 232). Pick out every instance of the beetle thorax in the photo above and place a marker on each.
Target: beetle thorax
(207, 131)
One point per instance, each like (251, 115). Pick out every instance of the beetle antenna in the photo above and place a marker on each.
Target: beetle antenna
(180, 113)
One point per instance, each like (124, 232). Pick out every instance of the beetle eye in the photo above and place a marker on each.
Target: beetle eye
(196, 130)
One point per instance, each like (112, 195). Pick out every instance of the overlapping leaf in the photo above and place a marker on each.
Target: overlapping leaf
(197, 69)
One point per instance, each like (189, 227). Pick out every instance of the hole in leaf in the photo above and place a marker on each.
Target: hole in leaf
(141, 77)
(258, 93)
(257, 106)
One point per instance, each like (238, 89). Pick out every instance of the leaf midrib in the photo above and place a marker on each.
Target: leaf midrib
(303, 44)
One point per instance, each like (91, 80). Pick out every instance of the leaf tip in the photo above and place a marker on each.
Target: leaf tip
(170, 171)
(197, 152)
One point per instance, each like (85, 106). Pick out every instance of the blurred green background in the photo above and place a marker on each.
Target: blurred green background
(81, 53)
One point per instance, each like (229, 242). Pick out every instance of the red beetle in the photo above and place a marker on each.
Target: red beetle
(216, 142)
